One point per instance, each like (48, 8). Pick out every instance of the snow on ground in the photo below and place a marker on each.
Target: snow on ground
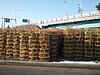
(78, 62)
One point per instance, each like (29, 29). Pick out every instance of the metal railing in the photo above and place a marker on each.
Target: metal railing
(76, 17)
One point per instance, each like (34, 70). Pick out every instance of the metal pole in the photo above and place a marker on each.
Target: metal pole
(2, 22)
(80, 10)
(16, 16)
(66, 9)
(28, 21)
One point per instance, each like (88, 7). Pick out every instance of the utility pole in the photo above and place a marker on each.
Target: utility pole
(28, 22)
(66, 9)
(2, 22)
(16, 16)
(80, 10)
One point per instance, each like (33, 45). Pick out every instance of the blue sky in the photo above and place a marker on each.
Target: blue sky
(36, 10)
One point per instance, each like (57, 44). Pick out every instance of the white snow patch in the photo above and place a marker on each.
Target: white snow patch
(78, 62)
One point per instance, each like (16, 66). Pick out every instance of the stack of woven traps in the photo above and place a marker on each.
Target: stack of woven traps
(89, 44)
(78, 44)
(24, 51)
(9, 45)
(68, 44)
(34, 45)
(44, 45)
(53, 38)
(97, 44)
(16, 45)
(60, 43)
(2, 44)
(56, 39)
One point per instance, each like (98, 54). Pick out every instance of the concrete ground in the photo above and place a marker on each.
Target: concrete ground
(47, 68)
(31, 70)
